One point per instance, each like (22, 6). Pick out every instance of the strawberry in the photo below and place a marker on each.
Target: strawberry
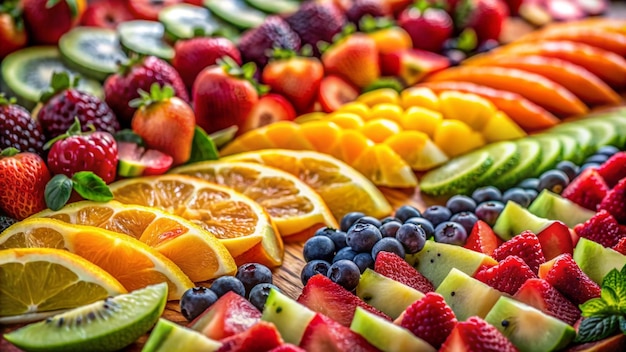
(295, 77)
(555, 239)
(429, 27)
(587, 189)
(614, 169)
(412, 65)
(621, 246)
(18, 129)
(274, 33)
(325, 334)
(615, 202)
(269, 109)
(260, 337)
(507, 276)
(365, 8)
(75, 151)
(482, 239)
(139, 73)
(317, 22)
(334, 92)
(602, 228)
(230, 315)
(48, 20)
(135, 160)
(566, 276)
(62, 103)
(485, 17)
(287, 347)
(525, 246)
(12, 33)
(149, 9)
(224, 95)
(394, 267)
(324, 296)
(355, 58)
(540, 294)
(430, 319)
(106, 14)
(164, 122)
(514, 6)
(193, 55)
(476, 335)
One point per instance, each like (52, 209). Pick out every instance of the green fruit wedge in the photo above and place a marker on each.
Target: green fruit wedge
(457, 174)
(168, 336)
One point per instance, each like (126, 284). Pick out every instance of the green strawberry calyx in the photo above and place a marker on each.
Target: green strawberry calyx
(87, 184)
(245, 72)
(370, 24)
(60, 82)
(156, 95)
(286, 54)
(6, 101)
(11, 8)
(74, 130)
(8, 152)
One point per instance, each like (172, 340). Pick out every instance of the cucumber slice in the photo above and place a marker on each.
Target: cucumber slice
(505, 156)
(619, 122)
(236, 12)
(183, 20)
(582, 135)
(604, 133)
(530, 158)
(94, 52)
(457, 174)
(552, 153)
(144, 37)
(275, 6)
(569, 146)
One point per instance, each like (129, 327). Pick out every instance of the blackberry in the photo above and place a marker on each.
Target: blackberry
(18, 129)
(315, 22)
(273, 33)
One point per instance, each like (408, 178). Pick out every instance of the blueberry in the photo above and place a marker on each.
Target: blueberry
(364, 261)
(388, 244)
(345, 273)
(487, 45)
(466, 219)
(6, 221)
(368, 220)
(312, 268)
(487, 193)
(489, 211)
(608, 150)
(324, 231)
(451, 233)
(450, 43)
(517, 195)
(412, 237)
(389, 219)
(346, 253)
(529, 183)
(195, 301)
(259, 293)
(437, 214)
(425, 224)
(570, 169)
(362, 237)
(318, 247)
(455, 56)
(597, 158)
(553, 180)
(348, 220)
(406, 212)
(225, 284)
(532, 194)
(390, 228)
(339, 238)
(460, 203)
(252, 274)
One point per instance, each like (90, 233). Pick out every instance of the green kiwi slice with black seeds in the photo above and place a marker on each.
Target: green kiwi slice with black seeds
(144, 37)
(275, 6)
(236, 12)
(183, 21)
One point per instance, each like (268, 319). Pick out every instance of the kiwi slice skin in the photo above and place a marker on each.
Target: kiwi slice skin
(182, 20)
(106, 325)
(275, 6)
(530, 158)
(236, 13)
(457, 175)
(144, 37)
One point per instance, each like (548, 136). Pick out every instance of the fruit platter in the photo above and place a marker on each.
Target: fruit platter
(312, 175)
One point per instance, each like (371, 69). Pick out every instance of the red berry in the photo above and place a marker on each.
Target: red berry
(525, 246)
(18, 129)
(475, 334)
(428, 29)
(394, 267)
(586, 190)
(507, 276)
(614, 169)
(602, 228)
(615, 202)
(430, 319)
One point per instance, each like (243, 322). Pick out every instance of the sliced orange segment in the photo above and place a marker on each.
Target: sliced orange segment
(472, 109)
(417, 118)
(286, 135)
(323, 135)
(383, 166)
(379, 96)
(343, 188)
(255, 139)
(387, 111)
(417, 149)
(196, 251)
(356, 107)
(133, 263)
(240, 223)
(455, 137)
(419, 96)
(297, 210)
(37, 282)
(378, 130)
(350, 146)
(346, 120)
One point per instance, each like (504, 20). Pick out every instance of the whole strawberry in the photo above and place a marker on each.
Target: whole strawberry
(429, 27)
(18, 129)
(354, 57)
(48, 20)
(165, 122)
(485, 17)
(430, 319)
(12, 33)
(62, 103)
(139, 73)
(76, 151)
(224, 95)
(23, 178)
(193, 55)
(106, 14)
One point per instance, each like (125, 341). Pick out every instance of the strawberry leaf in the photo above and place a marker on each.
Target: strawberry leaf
(58, 191)
(202, 147)
(597, 328)
(10, 151)
(90, 186)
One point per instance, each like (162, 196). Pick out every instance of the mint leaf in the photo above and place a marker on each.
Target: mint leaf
(596, 307)
(202, 147)
(597, 328)
(616, 282)
(622, 324)
(90, 186)
(58, 191)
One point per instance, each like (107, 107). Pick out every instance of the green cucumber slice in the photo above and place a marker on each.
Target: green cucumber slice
(551, 153)
(505, 156)
(619, 122)
(168, 336)
(236, 12)
(583, 137)
(456, 175)
(604, 132)
(275, 6)
(568, 144)
(144, 37)
(183, 20)
(530, 158)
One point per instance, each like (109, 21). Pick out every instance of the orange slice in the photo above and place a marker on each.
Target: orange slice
(297, 210)
(241, 224)
(197, 252)
(383, 166)
(417, 149)
(133, 263)
(323, 135)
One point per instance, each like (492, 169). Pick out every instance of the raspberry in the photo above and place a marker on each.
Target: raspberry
(586, 190)
(615, 202)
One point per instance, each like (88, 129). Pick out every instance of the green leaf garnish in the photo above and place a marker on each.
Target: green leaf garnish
(597, 328)
(595, 307)
(90, 186)
(60, 81)
(467, 41)
(202, 147)
(58, 191)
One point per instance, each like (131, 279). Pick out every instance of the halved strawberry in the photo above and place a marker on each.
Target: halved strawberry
(394, 267)
(475, 334)
(602, 228)
(621, 246)
(586, 190)
(555, 239)
(566, 276)
(507, 276)
(482, 239)
(525, 246)
(260, 337)
(543, 296)
(287, 347)
(106, 14)
(615, 202)
(614, 169)
(412, 65)
(134, 160)
(325, 334)
(322, 295)
(149, 9)
(335, 92)
(230, 315)
(269, 108)
(430, 319)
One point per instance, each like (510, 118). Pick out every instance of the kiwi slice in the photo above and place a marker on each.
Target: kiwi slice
(457, 174)
(168, 336)
(144, 37)
(581, 134)
(236, 13)
(27, 73)
(604, 132)
(94, 52)
(530, 158)
(107, 325)
(183, 21)
(569, 146)
(551, 153)
(275, 6)
(505, 156)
